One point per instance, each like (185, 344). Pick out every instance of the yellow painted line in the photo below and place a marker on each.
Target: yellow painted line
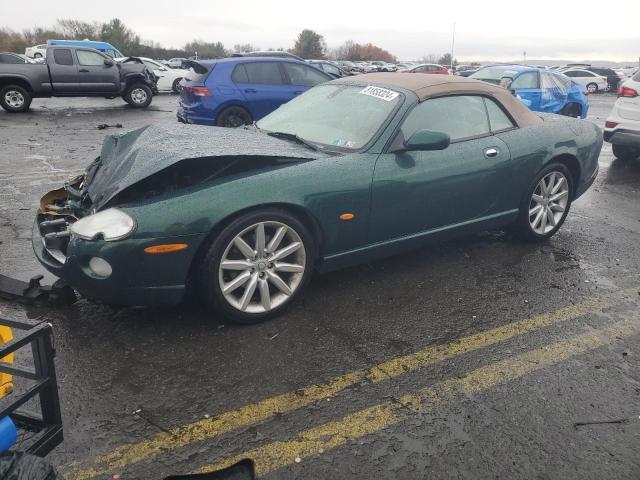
(200, 430)
(317, 440)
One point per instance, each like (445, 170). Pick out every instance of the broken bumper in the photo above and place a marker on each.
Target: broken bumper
(128, 285)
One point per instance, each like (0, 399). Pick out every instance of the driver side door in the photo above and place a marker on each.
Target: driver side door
(420, 192)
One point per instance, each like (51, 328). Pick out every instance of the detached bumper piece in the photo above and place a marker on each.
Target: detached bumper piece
(33, 293)
(38, 433)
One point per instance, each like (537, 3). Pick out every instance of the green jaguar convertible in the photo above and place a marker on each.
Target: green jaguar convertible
(352, 170)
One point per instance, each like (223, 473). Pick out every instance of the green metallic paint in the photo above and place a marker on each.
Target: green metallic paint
(400, 201)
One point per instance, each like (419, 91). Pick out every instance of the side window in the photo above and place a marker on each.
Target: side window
(300, 74)
(420, 69)
(331, 69)
(62, 56)
(498, 120)
(239, 74)
(571, 74)
(526, 80)
(4, 58)
(151, 65)
(87, 58)
(460, 117)
(266, 73)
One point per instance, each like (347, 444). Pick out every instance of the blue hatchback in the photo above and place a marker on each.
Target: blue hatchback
(236, 91)
(539, 89)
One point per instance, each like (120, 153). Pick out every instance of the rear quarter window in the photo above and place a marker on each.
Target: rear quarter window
(62, 56)
(636, 76)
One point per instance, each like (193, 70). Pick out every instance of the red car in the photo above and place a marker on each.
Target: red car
(429, 68)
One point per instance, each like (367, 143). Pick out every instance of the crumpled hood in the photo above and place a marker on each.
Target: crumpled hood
(128, 158)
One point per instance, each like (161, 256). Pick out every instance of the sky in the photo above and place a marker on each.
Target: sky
(485, 29)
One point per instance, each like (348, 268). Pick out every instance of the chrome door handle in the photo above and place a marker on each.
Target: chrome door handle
(491, 152)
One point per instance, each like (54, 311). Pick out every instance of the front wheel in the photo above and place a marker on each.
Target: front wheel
(256, 266)
(544, 208)
(592, 88)
(15, 99)
(37, 55)
(138, 95)
(625, 153)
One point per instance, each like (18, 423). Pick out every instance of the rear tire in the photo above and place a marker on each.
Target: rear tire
(138, 95)
(625, 153)
(234, 117)
(572, 110)
(15, 99)
(176, 88)
(542, 212)
(592, 88)
(37, 55)
(268, 274)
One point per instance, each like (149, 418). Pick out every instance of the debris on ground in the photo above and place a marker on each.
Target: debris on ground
(102, 126)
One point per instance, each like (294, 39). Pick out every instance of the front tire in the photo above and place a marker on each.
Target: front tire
(15, 99)
(233, 117)
(546, 204)
(256, 266)
(625, 153)
(138, 95)
(37, 55)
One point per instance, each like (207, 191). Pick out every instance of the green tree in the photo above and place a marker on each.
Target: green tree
(205, 49)
(310, 45)
(446, 60)
(120, 36)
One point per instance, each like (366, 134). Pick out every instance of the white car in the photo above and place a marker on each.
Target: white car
(594, 82)
(168, 78)
(622, 128)
(39, 51)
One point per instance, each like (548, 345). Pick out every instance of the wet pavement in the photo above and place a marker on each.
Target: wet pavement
(477, 358)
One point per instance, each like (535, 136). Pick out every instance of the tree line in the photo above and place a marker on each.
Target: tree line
(309, 44)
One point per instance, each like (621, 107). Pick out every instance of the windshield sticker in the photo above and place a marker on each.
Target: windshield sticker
(381, 93)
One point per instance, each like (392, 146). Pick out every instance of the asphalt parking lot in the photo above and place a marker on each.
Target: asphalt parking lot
(478, 358)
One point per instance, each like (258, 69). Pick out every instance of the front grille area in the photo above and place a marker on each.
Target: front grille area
(55, 235)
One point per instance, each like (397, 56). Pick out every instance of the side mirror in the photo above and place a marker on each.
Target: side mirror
(426, 140)
(109, 63)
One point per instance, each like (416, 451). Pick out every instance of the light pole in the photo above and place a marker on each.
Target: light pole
(524, 54)
(453, 43)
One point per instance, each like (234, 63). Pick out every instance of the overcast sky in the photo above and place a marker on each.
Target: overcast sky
(485, 29)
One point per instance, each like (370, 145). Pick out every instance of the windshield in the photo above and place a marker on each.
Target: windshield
(494, 74)
(343, 116)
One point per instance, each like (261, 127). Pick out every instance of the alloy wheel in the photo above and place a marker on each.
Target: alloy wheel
(138, 95)
(262, 267)
(592, 88)
(14, 99)
(548, 202)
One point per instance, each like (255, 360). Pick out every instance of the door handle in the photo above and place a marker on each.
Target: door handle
(491, 152)
(83, 70)
(250, 90)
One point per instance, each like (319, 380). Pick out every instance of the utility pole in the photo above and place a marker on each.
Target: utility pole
(524, 54)
(453, 43)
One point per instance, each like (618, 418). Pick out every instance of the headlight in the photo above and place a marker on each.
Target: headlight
(110, 224)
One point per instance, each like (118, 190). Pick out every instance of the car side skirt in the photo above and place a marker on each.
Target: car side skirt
(399, 245)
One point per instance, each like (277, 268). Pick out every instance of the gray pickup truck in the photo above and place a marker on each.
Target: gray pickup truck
(76, 72)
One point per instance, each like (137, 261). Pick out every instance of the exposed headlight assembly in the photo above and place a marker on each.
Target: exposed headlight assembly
(108, 225)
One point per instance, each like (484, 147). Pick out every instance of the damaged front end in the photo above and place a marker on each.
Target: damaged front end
(59, 209)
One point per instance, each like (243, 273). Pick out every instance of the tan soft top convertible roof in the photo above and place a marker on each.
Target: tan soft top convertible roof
(427, 86)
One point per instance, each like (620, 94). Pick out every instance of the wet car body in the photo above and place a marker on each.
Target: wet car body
(185, 184)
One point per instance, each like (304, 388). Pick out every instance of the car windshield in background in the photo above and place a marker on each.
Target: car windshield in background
(342, 116)
(493, 75)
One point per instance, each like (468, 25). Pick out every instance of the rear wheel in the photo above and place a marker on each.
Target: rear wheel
(176, 88)
(15, 99)
(592, 88)
(234, 117)
(626, 153)
(138, 95)
(257, 265)
(37, 55)
(544, 208)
